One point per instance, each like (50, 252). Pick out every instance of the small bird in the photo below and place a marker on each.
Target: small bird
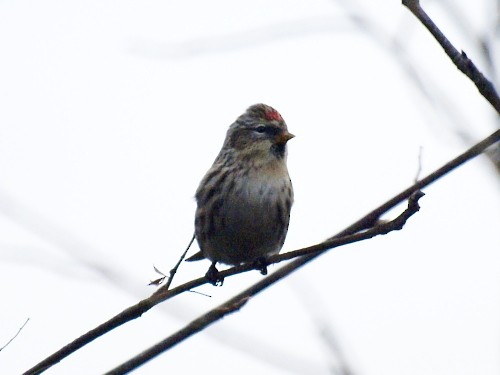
(244, 200)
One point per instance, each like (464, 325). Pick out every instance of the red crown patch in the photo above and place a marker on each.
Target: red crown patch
(272, 114)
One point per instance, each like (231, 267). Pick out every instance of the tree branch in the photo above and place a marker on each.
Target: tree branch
(461, 61)
(163, 293)
(242, 298)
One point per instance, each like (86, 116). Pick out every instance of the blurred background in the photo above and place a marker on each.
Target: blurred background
(110, 114)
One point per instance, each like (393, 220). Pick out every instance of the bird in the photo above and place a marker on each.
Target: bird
(245, 198)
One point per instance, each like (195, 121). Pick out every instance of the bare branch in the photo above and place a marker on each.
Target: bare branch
(163, 293)
(461, 61)
(173, 271)
(242, 298)
(18, 331)
(195, 326)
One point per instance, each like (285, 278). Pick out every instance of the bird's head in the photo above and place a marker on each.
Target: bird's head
(259, 134)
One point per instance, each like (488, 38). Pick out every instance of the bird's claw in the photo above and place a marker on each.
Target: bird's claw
(260, 264)
(213, 276)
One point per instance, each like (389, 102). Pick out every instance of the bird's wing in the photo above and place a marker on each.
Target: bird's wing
(197, 256)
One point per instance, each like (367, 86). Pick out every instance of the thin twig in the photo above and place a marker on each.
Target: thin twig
(368, 220)
(18, 332)
(419, 167)
(330, 341)
(173, 271)
(430, 90)
(163, 294)
(461, 61)
(321, 318)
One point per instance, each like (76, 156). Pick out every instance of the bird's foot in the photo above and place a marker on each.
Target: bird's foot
(213, 276)
(260, 264)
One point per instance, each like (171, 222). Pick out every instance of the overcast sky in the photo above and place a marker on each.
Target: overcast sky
(110, 114)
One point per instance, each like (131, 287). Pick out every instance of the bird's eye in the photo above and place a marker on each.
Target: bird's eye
(261, 129)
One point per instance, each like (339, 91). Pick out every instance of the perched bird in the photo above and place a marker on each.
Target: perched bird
(244, 200)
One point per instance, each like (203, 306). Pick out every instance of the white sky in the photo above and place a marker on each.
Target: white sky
(110, 114)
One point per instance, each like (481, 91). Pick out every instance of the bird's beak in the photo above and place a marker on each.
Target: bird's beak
(283, 138)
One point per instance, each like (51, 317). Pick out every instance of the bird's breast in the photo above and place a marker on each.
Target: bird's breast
(247, 219)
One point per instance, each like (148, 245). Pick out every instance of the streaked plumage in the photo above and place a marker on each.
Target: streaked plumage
(244, 200)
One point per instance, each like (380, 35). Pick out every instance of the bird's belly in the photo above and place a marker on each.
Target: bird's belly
(249, 226)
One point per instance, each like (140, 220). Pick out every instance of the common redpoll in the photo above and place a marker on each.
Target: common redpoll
(244, 200)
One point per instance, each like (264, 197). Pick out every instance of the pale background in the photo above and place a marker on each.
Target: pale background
(111, 112)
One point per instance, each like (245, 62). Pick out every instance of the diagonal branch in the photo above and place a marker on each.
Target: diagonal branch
(461, 61)
(163, 293)
(242, 298)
